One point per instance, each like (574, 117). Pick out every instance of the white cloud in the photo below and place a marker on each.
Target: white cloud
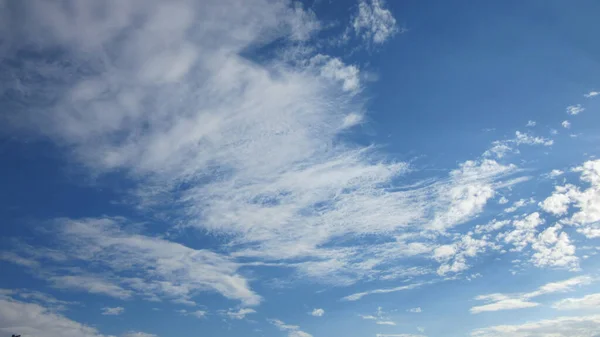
(592, 94)
(555, 173)
(453, 257)
(292, 330)
(591, 301)
(523, 138)
(91, 284)
(335, 69)
(318, 312)
(139, 334)
(575, 109)
(170, 270)
(358, 296)
(398, 335)
(553, 249)
(31, 319)
(374, 22)
(531, 123)
(200, 314)
(585, 200)
(385, 323)
(176, 110)
(503, 304)
(415, 310)
(583, 326)
(502, 200)
(519, 301)
(500, 148)
(240, 314)
(566, 124)
(523, 232)
(518, 204)
(113, 311)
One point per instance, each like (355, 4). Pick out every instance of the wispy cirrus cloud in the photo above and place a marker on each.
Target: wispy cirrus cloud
(585, 326)
(519, 301)
(35, 319)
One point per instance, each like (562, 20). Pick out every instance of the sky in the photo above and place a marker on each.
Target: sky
(272, 168)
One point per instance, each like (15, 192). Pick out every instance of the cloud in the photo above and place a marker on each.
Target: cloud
(500, 148)
(518, 204)
(584, 326)
(91, 284)
(113, 311)
(335, 69)
(240, 314)
(373, 22)
(566, 124)
(415, 310)
(591, 94)
(553, 249)
(31, 319)
(318, 312)
(453, 257)
(162, 269)
(523, 231)
(501, 303)
(531, 123)
(524, 138)
(163, 96)
(139, 334)
(32, 296)
(200, 314)
(292, 330)
(575, 109)
(555, 173)
(522, 300)
(398, 335)
(358, 296)
(585, 200)
(385, 323)
(591, 301)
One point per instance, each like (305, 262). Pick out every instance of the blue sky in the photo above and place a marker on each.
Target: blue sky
(302, 169)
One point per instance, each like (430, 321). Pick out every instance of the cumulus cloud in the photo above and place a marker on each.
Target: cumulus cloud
(555, 173)
(591, 94)
(113, 311)
(566, 124)
(374, 22)
(554, 249)
(584, 199)
(318, 312)
(453, 257)
(498, 301)
(415, 310)
(584, 326)
(240, 314)
(518, 204)
(531, 123)
(575, 109)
